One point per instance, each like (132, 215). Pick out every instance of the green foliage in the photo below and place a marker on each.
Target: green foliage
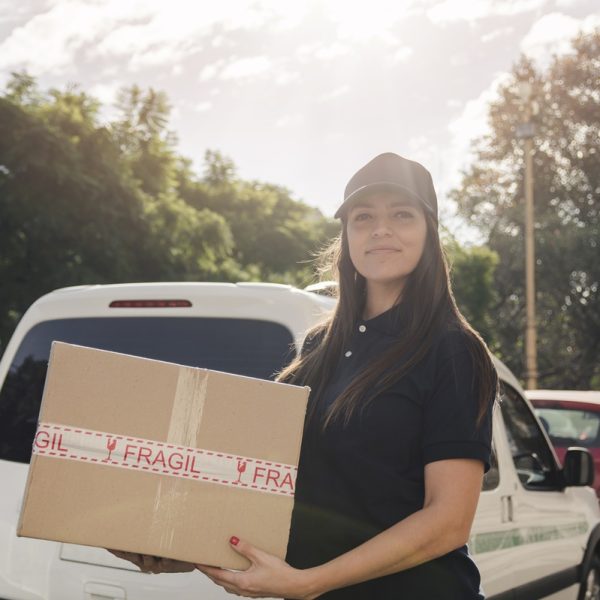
(272, 231)
(83, 203)
(567, 225)
(472, 275)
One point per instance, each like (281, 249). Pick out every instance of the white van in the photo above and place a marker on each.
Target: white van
(536, 529)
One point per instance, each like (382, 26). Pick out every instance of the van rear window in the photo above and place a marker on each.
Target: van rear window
(242, 346)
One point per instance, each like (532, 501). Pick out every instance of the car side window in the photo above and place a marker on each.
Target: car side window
(531, 454)
(492, 478)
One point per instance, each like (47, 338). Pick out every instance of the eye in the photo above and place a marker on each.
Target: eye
(404, 214)
(359, 216)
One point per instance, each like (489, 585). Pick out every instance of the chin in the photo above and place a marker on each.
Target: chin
(380, 279)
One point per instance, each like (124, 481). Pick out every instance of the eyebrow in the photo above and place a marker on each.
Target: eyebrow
(367, 204)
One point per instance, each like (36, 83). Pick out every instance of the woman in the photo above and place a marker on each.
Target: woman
(398, 430)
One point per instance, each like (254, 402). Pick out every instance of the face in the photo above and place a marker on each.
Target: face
(386, 237)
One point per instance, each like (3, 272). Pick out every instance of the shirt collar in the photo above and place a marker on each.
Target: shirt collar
(390, 322)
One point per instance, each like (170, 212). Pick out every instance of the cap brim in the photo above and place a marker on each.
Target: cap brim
(379, 186)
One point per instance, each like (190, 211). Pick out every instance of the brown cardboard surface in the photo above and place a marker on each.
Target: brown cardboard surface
(139, 511)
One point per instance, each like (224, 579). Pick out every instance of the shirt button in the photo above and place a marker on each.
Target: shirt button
(362, 328)
(348, 354)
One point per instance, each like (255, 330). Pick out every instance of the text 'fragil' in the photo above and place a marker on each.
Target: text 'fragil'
(154, 457)
(163, 458)
(279, 479)
(44, 440)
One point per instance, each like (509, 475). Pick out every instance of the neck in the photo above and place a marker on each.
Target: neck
(380, 297)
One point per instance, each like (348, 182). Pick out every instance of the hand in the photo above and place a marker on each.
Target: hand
(154, 564)
(267, 577)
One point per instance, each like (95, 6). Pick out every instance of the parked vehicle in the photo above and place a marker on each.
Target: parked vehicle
(571, 418)
(536, 532)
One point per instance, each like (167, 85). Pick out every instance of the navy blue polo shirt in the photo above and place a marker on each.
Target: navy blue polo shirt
(355, 481)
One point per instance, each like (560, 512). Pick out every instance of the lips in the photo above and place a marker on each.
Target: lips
(382, 250)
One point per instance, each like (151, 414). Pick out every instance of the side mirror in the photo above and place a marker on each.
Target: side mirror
(578, 467)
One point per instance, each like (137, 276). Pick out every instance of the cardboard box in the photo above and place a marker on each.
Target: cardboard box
(152, 457)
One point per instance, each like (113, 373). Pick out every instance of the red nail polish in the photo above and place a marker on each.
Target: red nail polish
(234, 540)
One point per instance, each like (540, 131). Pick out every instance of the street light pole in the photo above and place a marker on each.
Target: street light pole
(526, 131)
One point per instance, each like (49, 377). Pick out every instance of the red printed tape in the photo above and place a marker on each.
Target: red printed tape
(60, 441)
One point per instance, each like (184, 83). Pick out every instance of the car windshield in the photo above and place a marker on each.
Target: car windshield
(569, 427)
(248, 347)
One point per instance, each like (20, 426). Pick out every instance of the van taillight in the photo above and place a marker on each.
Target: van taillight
(150, 304)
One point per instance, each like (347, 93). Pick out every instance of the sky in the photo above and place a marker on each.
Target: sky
(300, 94)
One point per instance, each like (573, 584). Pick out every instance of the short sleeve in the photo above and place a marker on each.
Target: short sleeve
(450, 412)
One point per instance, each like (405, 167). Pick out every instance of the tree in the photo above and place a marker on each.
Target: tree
(472, 274)
(72, 210)
(273, 232)
(85, 203)
(567, 202)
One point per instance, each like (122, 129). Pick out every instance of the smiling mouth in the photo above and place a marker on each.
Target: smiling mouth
(382, 251)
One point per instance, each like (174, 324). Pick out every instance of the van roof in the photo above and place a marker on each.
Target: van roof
(592, 397)
(98, 297)
(215, 299)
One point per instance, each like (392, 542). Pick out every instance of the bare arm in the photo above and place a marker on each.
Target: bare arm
(452, 490)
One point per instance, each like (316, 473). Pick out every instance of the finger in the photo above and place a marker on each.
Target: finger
(210, 571)
(158, 565)
(148, 563)
(176, 566)
(246, 549)
(221, 577)
(122, 554)
(131, 557)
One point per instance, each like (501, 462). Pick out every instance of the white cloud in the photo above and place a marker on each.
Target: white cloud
(365, 21)
(287, 77)
(424, 151)
(472, 123)
(322, 51)
(251, 66)
(552, 33)
(331, 51)
(292, 120)
(460, 59)
(105, 92)
(454, 103)
(336, 93)
(496, 33)
(203, 106)
(210, 71)
(449, 11)
(11, 11)
(157, 42)
(50, 40)
(403, 54)
(147, 32)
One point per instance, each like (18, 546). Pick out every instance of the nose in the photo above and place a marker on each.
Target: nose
(381, 228)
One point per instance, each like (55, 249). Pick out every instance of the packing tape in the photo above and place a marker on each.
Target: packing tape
(163, 458)
(188, 406)
(184, 428)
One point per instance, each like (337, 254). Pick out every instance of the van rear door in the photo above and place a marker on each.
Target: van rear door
(41, 569)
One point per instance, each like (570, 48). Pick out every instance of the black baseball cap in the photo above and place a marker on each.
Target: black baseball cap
(392, 172)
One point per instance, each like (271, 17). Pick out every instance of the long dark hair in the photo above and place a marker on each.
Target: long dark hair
(427, 297)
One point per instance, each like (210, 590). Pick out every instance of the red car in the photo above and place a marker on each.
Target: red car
(571, 418)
